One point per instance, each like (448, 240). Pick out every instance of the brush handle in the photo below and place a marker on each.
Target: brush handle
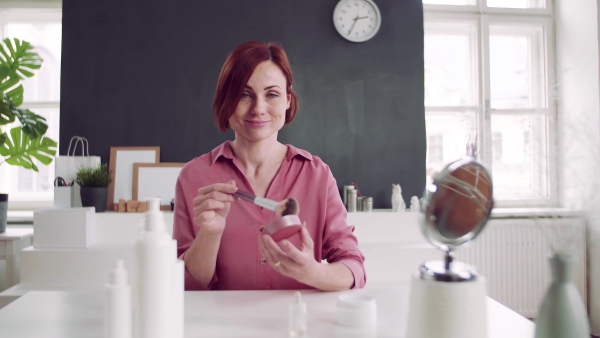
(266, 203)
(246, 196)
(260, 201)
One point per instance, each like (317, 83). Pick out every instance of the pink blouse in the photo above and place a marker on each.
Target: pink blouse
(239, 263)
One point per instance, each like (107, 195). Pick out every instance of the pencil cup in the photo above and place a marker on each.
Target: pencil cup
(63, 197)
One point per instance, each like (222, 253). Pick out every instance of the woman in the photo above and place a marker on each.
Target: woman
(220, 238)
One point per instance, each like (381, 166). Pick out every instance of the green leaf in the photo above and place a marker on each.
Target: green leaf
(6, 114)
(19, 149)
(34, 125)
(19, 58)
(15, 97)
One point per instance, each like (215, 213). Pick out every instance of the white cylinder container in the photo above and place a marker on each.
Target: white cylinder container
(355, 309)
(447, 309)
(178, 298)
(117, 307)
(155, 260)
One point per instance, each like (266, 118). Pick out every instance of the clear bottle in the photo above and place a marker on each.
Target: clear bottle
(117, 309)
(298, 316)
(155, 259)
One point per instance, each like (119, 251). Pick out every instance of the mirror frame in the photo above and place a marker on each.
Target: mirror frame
(430, 228)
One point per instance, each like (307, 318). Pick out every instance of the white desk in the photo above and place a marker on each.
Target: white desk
(11, 243)
(231, 314)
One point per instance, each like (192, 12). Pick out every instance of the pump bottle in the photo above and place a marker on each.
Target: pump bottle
(155, 260)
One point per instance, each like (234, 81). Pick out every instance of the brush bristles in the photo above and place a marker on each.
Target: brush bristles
(289, 206)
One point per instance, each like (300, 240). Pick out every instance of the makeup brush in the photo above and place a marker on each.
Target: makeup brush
(286, 207)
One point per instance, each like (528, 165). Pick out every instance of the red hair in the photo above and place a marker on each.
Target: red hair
(236, 72)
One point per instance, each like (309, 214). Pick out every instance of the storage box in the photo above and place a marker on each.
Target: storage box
(64, 228)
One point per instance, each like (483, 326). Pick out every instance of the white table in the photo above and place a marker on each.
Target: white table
(231, 314)
(11, 243)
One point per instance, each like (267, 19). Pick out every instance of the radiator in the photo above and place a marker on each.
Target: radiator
(512, 254)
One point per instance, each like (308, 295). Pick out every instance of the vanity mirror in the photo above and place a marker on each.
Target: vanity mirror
(454, 210)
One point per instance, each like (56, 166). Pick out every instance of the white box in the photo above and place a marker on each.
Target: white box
(64, 228)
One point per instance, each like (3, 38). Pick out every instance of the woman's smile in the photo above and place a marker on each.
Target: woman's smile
(257, 124)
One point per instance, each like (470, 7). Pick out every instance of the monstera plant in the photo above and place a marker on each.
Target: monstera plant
(25, 141)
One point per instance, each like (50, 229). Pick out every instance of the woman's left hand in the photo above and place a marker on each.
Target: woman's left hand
(288, 260)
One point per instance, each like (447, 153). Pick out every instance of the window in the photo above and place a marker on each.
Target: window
(488, 73)
(42, 27)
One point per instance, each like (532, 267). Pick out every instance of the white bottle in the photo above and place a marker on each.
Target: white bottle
(178, 297)
(155, 260)
(298, 317)
(117, 307)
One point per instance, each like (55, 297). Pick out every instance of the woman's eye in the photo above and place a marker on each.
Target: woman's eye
(272, 95)
(245, 95)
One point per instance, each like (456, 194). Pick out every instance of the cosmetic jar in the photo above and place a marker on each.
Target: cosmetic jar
(356, 310)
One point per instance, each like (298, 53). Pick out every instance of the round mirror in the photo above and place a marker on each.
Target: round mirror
(455, 208)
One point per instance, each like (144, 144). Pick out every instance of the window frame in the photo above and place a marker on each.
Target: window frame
(31, 11)
(483, 16)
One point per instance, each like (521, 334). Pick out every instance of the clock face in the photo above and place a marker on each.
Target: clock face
(356, 20)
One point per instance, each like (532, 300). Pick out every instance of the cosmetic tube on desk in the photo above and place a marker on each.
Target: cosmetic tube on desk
(154, 293)
(117, 306)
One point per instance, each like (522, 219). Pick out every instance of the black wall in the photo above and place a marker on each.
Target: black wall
(143, 73)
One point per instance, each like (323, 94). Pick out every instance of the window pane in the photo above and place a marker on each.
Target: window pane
(447, 137)
(517, 79)
(26, 184)
(46, 38)
(519, 156)
(450, 64)
(449, 2)
(517, 3)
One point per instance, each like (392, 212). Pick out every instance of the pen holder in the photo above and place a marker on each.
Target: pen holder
(63, 197)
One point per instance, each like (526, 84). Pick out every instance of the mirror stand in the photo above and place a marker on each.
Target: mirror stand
(449, 270)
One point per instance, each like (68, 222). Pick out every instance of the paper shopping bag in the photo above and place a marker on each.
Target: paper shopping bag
(67, 166)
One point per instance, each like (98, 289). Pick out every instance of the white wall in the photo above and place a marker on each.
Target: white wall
(578, 84)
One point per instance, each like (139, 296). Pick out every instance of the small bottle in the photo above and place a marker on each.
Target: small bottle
(117, 308)
(368, 204)
(351, 200)
(347, 189)
(298, 316)
(359, 203)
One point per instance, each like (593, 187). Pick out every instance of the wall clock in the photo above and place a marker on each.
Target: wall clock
(356, 20)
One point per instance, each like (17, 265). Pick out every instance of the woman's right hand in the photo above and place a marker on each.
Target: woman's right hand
(212, 204)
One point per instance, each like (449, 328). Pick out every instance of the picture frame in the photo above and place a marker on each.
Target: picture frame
(156, 180)
(121, 170)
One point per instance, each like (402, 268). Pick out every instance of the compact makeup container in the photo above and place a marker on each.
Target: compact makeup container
(283, 227)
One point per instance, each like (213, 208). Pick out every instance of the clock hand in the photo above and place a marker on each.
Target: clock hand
(352, 27)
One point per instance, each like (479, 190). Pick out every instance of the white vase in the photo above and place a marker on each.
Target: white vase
(562, 313)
